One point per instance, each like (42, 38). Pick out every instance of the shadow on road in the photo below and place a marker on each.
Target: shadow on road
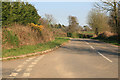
(83, 49)
(6, 71)
(89, 41)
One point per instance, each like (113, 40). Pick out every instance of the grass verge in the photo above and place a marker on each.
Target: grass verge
(33, 48)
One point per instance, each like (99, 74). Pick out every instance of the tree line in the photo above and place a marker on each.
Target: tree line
(19, 12)
(104, 17)
(24, 13)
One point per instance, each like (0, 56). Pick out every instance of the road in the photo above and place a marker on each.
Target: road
(80, 58)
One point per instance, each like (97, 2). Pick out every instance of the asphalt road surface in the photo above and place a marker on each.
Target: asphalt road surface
(80, 58)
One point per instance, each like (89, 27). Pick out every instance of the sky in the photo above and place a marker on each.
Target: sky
(61, 10)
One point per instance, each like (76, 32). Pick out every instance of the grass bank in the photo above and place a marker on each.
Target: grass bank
(33, 48)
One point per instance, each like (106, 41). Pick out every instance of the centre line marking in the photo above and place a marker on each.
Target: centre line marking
(92, 47)
(104, 57)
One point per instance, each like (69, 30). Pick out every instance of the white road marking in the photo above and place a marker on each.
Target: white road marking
(26, 74)
(13, 74)
(30, 65)
(104, 57)
(100, 53)
(18, 70)
(92, 47)
(34, 63)
(36, 60)
(20, 66)
(87, 43)
(28, 60)
(28, 69)
(24, 63)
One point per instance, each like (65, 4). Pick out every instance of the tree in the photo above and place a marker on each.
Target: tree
(6, 12)
(111, 6)
(59, 26)
(0, 15)
(98, 21)
(119, 14)
(15, 12)
(20, 12)
(80, 29)
(119, 18)
(73, 24)
(50, 19)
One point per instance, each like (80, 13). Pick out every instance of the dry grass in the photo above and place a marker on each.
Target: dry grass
(107, 34)
(59, 33)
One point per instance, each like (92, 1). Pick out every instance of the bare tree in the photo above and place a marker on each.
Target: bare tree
(73, 24)
(50, 19)
(110, 6)
(97, 21)
(80, 29)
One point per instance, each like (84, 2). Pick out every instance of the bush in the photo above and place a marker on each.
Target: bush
(115, 37)
(57, 32)
(80, 35)
(111, 39)
(9, 38)
(106, 35)
(85, 36)
(69, 34)
(19, 35)
(75, 35)
(36, 26)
